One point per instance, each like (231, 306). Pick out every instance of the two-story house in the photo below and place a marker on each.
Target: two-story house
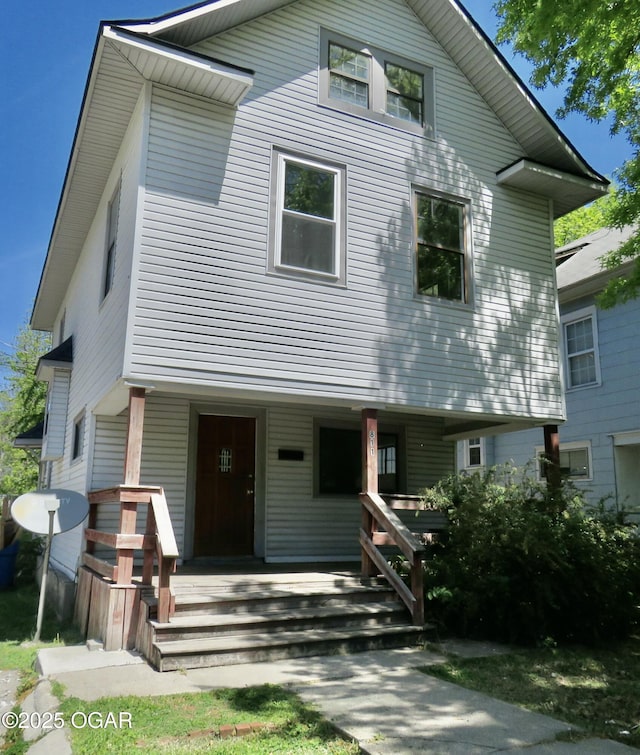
(600, 359)
(286, 227)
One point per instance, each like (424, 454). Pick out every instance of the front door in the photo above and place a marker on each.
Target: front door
(225, 484)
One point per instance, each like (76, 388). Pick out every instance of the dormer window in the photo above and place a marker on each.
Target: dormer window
(349, 75)
(375, 84)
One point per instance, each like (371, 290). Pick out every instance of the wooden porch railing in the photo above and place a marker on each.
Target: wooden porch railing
(158, 540)
(382, 526)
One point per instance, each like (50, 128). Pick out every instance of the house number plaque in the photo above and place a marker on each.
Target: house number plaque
(372, 442)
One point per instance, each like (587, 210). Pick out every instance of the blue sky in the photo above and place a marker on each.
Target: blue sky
(45, 53)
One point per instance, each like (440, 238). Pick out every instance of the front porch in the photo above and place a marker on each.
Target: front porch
(155, 614)
(218, 612)
(251, 612)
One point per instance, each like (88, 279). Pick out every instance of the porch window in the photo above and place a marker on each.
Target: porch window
(441, 247)
(340, 462)
(309, 218)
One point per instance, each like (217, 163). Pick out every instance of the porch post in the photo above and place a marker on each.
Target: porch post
(369, 480)
(370, 450)
(133, 452)
(552, 459)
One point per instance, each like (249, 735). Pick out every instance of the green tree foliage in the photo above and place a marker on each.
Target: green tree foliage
(22, 405)
(574, 225)
(592, 47)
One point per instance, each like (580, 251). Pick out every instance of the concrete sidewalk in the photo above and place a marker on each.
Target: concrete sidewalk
(376, 698)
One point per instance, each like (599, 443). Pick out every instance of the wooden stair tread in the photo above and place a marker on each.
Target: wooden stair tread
(188, 598)
(242, 642)
(365, 610)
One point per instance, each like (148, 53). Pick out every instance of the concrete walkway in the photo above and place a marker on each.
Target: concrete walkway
(376, 698)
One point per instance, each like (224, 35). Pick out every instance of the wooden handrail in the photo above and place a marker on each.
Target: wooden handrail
(158, 540)
(377, 514)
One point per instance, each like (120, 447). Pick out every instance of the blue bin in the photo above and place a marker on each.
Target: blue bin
(8, 564)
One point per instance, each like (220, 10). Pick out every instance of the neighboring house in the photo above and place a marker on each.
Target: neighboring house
(279, 217)
(600, 441)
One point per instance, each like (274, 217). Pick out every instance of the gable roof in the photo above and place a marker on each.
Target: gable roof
(127, 54)
(581, 273)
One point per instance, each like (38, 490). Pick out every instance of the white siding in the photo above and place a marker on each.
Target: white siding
(97, 326)
(303, 526)
(299, 524)
(164, 459)
(207, 312)
(57, 401)
(596, 413)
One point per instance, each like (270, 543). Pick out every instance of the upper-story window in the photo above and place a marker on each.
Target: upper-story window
(308, 218)
(441, 255)
(581, 348)
(376, 84)
(112, 233)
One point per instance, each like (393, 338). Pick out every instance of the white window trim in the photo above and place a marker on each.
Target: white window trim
(569, 319)
(467, 281)
(275, 265)
(377, 85)
(569, 446)
(483, 456)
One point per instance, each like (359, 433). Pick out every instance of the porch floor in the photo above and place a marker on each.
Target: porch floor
(221, 575)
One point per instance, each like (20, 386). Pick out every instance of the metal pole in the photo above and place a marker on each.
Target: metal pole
(52, 507)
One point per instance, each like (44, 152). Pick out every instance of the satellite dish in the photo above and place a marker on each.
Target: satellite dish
(32, 510)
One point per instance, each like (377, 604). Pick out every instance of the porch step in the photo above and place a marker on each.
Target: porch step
(193, 626)
(263, 617)
(254, 648)
(252, 600)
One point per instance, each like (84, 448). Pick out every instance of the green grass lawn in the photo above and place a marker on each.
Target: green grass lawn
(190, 723)
(186, 723)
(597, 690)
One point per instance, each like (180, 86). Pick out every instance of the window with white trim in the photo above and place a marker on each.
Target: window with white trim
(110, 251)
(308, 218)
(581, 348)
(375, 84)
(474, 452)
(441, 256)
(575, 461)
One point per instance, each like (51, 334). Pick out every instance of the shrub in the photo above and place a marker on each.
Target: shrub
(519, 566)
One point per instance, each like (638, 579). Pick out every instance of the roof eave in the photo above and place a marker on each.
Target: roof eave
(567, 190)
(136, 60)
